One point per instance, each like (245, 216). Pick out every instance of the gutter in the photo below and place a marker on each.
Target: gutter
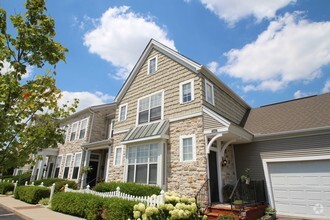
(293, 133)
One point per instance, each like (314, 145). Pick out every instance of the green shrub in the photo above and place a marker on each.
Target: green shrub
(31, 194)
(6, 187)
(130, 188)
(44, 201)
(22, 178)
(118, 209)
(82, 205)
(59, 183)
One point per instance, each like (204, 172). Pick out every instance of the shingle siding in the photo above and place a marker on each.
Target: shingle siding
(251, 155)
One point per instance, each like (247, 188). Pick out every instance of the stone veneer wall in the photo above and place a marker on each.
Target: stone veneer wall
(186, 177)
(116, 173)
(229, 172)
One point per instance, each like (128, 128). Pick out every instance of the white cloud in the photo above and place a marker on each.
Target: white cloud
(291, 49)
(299, 94)
(326, 87)
(213, 66)
(234, 10)
(120, 36)
(86, 99)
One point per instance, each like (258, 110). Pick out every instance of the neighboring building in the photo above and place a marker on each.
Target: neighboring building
(87, 140)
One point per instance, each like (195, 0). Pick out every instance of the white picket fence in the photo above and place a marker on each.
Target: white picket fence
(154, 200)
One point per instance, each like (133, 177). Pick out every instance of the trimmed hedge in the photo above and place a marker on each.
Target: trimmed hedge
(130, 188)
(59, 183)
(118, 209)
(22, 178)
(6, 187)
(92, 207)
(31, 194)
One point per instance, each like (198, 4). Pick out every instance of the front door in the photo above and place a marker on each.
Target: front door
(213, 174)
(91, 176)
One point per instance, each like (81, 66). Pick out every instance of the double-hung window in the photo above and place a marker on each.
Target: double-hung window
(122, 112)
(118, 156)
(65, 132)
(150, 108)
(83, 127)
(58, 166)
(74, 129)
(67, 166)
(76, 165)
(143, 163)
(152, 65)
(209, 93)
(187, 91)
(187, 148)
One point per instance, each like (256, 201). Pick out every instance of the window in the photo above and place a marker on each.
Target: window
(58, 166)
(142, 163)
(187, 148)
(152, 65)
(67, 165)
(150, 108)
(209, 93)
(187, 91)
(65, 132)
(76, 165)
(118, 156)
(74, 129)
(122, 112)
(83, 127)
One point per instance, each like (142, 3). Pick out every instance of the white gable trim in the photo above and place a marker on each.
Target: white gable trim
(153, 44)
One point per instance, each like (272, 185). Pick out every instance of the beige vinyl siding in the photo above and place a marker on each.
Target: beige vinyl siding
(251, 155)
(211, 123)
(225, 105)
(168, 77)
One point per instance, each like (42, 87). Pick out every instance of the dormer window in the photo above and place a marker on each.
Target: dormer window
(152, 65)
(150, 108)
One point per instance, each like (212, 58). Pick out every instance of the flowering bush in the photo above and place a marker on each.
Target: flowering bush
(176, 207)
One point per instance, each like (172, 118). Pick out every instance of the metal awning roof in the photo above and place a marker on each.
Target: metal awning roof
(156, 130)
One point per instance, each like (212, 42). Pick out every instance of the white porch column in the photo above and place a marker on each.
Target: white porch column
(86, 163)
(219, 167)
(107, 164)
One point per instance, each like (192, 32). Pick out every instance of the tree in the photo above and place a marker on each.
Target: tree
(29, 111)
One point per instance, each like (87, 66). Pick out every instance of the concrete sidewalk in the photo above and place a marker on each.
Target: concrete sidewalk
(29, 212)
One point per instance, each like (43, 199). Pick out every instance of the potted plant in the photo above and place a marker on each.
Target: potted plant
(246, 176)
(271, 212)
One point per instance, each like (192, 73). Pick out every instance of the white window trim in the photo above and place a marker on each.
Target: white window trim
(66, 157)
(193, 136)
(121, 156)
(66, 129)
(53, 174)
(192, 87)
(74, 161)
(138, 107)
(208, 83)
(75, 137)
(126, 104)
(78, 135)
(156, 64)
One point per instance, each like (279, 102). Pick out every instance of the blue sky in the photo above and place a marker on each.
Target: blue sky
(266, 51)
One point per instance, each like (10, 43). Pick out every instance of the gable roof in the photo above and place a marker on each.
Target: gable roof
(183, 60)
(153, 44)
(299, 114)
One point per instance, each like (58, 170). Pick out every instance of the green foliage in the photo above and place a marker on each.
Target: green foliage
(22, 178)
(59, 183)
(130, 188)
(175, 207)
(44, 201)
(29, 110)
(117, 209)
(6, 187)
(226, 217)
(31, 194)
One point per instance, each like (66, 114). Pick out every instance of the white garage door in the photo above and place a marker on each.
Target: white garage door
(301, 188)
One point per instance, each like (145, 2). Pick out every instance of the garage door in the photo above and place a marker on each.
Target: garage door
(301, 188)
